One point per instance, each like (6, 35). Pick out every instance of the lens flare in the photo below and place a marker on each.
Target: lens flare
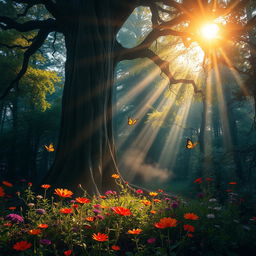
(209, 31)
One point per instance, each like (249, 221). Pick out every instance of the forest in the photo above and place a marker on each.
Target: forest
(127, 127)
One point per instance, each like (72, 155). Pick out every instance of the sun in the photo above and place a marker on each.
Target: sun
(209, 31)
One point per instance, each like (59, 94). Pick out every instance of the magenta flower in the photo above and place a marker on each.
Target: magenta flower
(151, 240)
(45, 241)
(14, 218)
(139, 191)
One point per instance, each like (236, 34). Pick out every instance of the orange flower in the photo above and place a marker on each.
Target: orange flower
(153, 212)
(232, 183)
(100, 237)
(115, 248)
(102, 197)
(90, 219)
(22, 246)
(115, 176)
(146, 202)
(157, 200)
(83, 200)
(153, 193)
(34, 231)
(42, 226)
(67, 253)
(2, 193)
(136, 231)
(45, 186)
(160, 190)
(7, 184)
(63, 192)
(12, 208)
(189, 228)
(166, 223)
(75, 205)
(190, 216)
(122, 211)
(66, 210)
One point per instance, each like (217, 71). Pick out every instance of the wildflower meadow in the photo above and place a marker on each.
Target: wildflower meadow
(125, 222)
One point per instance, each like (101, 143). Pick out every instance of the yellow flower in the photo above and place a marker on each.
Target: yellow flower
(153, 193)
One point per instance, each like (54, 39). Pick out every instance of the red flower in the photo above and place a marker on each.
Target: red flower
(34, 231)
(102, 197)
(42, 226)
(45, 186)
(83, 200)
(100, 237)
(115, 248)
(68, 252)
(190, 216)
(189, 235)
(122, 211)
(30, 184)
(139, 191)
(189, 228)
(166, 223)
(232, 183)
(12, 208)
(198, 180)
(209, 179)
(2, 193)
(7, 184)
(66, 210)
(22, 246)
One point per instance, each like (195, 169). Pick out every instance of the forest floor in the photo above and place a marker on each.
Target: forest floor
(123, 223)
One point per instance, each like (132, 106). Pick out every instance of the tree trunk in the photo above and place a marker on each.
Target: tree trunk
(85, 153)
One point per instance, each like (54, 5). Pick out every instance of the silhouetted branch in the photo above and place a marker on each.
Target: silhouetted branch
(138, 52)
(8, 23)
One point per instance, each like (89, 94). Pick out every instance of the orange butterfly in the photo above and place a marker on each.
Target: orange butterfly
(49, 148)
(190, 144)
(132, 121)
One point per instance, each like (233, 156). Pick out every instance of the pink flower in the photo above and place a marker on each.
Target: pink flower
(151, 240)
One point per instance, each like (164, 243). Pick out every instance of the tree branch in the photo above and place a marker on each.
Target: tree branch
(8, 23)
(138, 52)
(36, 44)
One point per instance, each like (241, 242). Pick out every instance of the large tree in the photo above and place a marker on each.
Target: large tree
(86, 152)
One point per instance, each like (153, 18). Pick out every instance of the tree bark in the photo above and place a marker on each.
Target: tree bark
(85, 153)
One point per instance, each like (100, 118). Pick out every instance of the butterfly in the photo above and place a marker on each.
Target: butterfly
(49, 148)
(190, 144)
(132, 121)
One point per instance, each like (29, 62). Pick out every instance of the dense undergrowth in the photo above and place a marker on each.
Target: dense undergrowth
(124, 223)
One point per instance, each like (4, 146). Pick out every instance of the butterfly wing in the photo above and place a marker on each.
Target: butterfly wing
(46, 147)
(189, 144)
(51, 148)
(129, 121)
(132, 121)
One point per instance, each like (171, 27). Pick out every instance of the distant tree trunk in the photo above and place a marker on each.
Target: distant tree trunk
(12, 154)
(85, 153)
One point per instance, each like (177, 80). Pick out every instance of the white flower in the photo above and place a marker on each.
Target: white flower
(39, 197)
(212, 200)
(210, 216)
(217, 208)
